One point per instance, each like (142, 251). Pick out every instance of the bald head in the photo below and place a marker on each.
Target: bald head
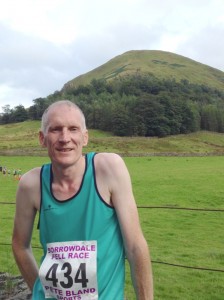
(69, 104)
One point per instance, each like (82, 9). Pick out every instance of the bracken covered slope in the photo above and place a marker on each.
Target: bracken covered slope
(161, 64)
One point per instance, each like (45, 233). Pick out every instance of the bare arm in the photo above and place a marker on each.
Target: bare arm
(136, 247)
(26, 206)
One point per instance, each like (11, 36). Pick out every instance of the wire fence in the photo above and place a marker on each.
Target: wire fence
(169, 264)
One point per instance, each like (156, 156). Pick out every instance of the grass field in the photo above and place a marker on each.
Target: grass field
(179, 239)
(22, 139)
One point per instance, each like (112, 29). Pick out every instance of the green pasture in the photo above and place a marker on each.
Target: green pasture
(186, 245)
(22, 139)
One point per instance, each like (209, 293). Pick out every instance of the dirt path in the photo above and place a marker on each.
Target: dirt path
(13, 288)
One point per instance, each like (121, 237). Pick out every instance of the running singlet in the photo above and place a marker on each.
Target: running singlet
(83, 249)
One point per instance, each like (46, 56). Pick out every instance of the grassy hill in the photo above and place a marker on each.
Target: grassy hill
(159, 63)
(22, 139)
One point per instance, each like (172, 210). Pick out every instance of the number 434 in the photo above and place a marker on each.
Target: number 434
(80, 276)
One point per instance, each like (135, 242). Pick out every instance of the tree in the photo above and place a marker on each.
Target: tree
(19, 114)
(209, 120)
(41, 104)
(6, 116)
(120, 121)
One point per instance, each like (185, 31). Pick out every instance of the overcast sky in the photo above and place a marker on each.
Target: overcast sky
(45, 43)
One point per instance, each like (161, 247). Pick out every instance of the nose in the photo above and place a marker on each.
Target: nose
(64, 136)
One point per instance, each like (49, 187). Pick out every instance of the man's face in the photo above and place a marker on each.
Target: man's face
(65, 134)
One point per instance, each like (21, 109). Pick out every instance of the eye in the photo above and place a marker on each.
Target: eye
(73, 128)
(55, 129)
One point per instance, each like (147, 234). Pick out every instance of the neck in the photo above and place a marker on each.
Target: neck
(67, 181)
(68, 173)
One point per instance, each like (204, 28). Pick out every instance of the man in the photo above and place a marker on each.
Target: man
(88, 218)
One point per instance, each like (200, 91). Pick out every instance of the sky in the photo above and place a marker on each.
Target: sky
(46, 43)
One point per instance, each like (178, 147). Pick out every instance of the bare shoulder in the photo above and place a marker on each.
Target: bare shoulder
(30, 177)
(111, 168)
(111, 175)
(29, 188)
(108, 161)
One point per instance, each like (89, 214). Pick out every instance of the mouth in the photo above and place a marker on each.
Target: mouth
(64, 150)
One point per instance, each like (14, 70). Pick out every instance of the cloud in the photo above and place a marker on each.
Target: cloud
(46, 43)
(207, 47)
(89, 52)
(31, 67)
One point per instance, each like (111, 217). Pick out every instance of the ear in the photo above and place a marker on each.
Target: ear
(42, 140)
(85, 138)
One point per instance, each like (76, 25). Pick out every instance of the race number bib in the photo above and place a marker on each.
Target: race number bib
(69, 271)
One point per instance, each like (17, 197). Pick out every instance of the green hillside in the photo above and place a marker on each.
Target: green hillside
(161, 64)
(142, 93)
(22, 139)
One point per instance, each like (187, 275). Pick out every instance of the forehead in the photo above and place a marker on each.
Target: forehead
(64, 114)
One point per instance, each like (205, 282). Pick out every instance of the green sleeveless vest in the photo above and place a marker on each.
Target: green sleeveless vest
(87, 219)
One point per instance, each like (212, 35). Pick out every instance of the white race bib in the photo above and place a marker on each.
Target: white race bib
(69, 271)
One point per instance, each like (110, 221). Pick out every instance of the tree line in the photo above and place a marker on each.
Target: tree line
(136, 105)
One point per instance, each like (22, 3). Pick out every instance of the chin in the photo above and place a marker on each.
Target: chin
(65, 160)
